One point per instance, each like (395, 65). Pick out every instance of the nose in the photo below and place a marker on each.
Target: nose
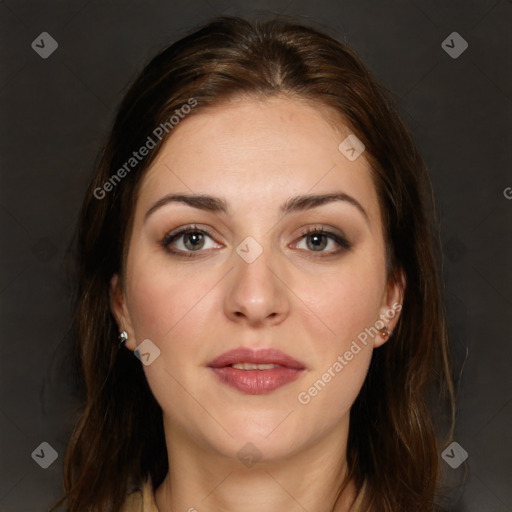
(256, 292)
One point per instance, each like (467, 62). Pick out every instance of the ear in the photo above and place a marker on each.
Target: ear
(120, 311)
(391, 306)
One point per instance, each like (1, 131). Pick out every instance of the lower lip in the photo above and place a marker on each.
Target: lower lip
(257, 382)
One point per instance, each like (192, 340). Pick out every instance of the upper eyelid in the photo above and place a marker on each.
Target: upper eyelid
(177, 233)
(194, 228)
(188, 227)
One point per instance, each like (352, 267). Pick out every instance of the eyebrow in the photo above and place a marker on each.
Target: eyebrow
(293, 204)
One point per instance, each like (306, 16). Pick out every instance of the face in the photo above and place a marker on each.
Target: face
(257, 278)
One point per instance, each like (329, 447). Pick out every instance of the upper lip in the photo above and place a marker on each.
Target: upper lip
(255, 356)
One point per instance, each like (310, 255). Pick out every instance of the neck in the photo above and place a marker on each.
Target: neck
(206, 482)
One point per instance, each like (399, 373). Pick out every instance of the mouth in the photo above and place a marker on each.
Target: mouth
(256, 372)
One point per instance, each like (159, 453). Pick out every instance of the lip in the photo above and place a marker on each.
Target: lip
(256, 382)
(259, 356)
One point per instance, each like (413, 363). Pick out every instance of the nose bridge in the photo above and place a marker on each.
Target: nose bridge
(254, 291)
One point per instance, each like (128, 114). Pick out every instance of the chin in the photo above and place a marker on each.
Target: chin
(276, 435)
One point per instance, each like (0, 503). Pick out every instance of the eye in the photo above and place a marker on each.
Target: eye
(189, 239)
(318, 239)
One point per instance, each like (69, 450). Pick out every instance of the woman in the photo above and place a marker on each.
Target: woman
(259, 235)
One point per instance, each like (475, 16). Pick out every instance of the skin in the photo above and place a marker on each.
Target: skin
(255, 154)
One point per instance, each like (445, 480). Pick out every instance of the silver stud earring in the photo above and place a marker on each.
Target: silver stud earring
(123, 336)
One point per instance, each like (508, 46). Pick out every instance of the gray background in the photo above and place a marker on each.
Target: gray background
(56, 113)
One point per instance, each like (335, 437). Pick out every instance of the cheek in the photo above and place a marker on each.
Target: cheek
(342, 349)
(346, 306)
(344, 303)
(163, 303)
(171, 310)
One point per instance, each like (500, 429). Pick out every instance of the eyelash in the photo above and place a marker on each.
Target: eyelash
(342, 242)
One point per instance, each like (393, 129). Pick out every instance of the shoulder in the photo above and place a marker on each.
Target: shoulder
(141, 500)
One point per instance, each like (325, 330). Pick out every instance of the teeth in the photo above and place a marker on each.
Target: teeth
(252, 366)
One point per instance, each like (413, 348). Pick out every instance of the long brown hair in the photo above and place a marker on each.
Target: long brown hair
(118, 441)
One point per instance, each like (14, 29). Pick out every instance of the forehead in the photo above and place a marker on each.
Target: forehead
(259, 151)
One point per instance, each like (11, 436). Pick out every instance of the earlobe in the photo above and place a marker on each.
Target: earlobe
(391, 308)
(120, 312)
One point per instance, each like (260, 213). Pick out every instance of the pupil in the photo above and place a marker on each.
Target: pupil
(316, 241)
(195, 240)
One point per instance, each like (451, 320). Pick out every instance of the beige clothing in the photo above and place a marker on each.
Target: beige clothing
(143, 500)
